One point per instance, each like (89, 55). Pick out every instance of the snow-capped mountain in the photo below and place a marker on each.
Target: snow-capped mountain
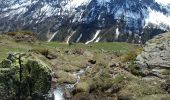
(87, 20)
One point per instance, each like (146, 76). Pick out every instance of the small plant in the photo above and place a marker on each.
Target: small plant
(130, 57)
(70, 43)
(136, 70)
(118, 54)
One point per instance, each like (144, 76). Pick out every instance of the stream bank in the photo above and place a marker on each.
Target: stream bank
(63, 91)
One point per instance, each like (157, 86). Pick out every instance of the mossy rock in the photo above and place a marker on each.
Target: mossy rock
(82, 87)
(23, 76)
(65, 77)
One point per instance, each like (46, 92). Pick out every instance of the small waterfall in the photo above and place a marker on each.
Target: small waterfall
(59, 90)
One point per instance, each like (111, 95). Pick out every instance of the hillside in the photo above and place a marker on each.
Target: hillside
(98, 71)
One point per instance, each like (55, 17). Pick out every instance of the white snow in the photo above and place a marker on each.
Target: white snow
(102, 1)
(75, 3)
(79, 38)
(164, 2)
(52, 37)
(95, 36)
(69, 37)
(117, 33)
(98, 39)
(157, 18)
(48, 10)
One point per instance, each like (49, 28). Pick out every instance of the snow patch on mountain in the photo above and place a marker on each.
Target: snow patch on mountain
(98, 39)
(72, 4)
(52, 37)
(69, 37)
(78, 39)
(76, 3)
(102, 1)
(117, 33)
(164, 2)
(95, 36)
(158, 18)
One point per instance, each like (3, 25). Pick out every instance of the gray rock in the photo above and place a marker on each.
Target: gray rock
(156, 52)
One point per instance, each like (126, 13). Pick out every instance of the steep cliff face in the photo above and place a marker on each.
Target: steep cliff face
(23, 77)
(87, 20)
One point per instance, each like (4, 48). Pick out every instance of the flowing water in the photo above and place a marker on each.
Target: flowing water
(59, 91)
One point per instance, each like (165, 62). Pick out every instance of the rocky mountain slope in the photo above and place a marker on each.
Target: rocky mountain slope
(87, 20)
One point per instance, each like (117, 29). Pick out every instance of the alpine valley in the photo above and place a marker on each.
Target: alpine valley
(84, 49)
(87, 21)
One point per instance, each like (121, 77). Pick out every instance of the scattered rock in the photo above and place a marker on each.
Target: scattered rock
(114, 65)
(92, 61)
(78, 51)
(67, 94)
(67, 51)
(113, 89)
(51, 56)
(88, 54)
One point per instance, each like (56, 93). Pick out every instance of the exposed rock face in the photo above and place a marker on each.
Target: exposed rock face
(156, 52)
(23, 77)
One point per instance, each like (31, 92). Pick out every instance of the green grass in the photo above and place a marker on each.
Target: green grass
(7, 44)
(111, 46)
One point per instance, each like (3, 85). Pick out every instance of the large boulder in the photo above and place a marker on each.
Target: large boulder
(156, 52)
(24, 76)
